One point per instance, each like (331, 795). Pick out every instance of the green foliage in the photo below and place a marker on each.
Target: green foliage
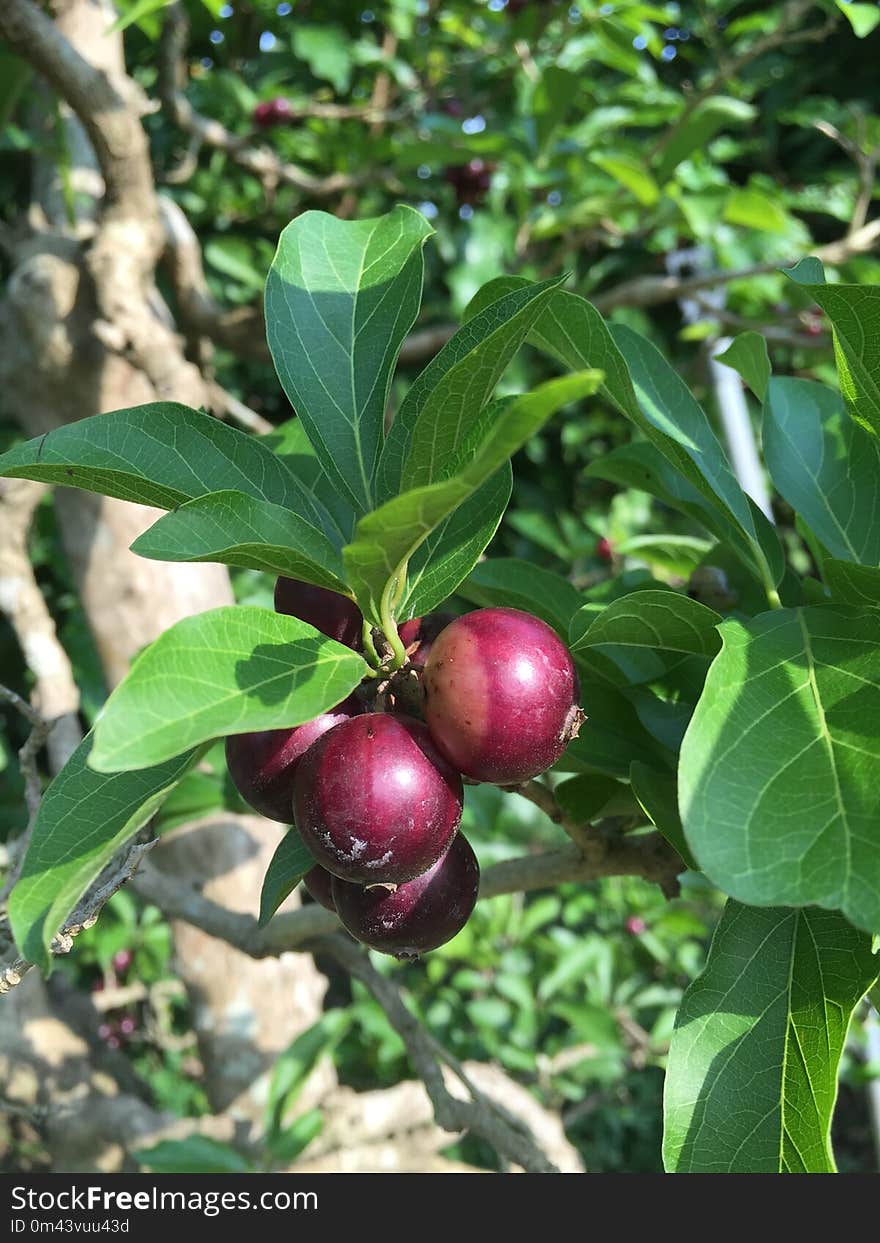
(752, 1075)
(286, 869)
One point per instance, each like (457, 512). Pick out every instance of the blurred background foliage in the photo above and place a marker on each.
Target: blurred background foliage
(537, 136)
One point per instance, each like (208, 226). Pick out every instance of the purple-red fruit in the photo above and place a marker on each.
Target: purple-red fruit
(271, 112)
(604, 550)
(328, 611)
(418, 916)
(419, 635)
(375, 802)
(319, 883)
(635, 925)
(262, 764)
(470, 181)
(501, 695)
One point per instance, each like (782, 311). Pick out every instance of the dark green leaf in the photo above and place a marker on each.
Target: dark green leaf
(197, 1154)
(286, 869)
(236, 529)
(698, 127)
(508, 582)
(747, 354)
(227, 671)
(826, 467)
(438, 412)
(83, 820)
(582, 799)
(777, 783)
(853, 584)
(658, 797)
(160, 454)
(340, 298)
(752, 1074)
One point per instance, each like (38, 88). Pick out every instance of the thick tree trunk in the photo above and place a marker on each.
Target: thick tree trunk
(62, 360)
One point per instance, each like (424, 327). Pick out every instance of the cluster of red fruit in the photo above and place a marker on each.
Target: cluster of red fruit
(377, 794)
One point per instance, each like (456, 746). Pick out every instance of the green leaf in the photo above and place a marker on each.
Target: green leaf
(327, 51)
(697, 128)
(826, 467)
(340, 298)
(671, 554)
(84, 818)
(508, 582)
(632, 174)
(582, 799)
(862, 17)
(385, 539)
(853, 584)
(552, 98)
(296, 1063)
(197, 1154)
(655, 620)
(297, 1136)
(689, 442)
(747, 354)
(445, 399)
(160, 454)
(286, 869)
(643, 386)
(854, 311)
(293, 447)
(658, 797)
(438, 566)
(236, 529)
(777, 780)
(750, 208)
(611, 737)
(228, 671)
(752, 1073)
(136, 13)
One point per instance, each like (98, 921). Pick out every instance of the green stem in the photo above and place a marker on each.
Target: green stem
(390, 598)
(370, 648)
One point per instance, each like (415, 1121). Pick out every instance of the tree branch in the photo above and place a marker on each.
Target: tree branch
(479, 1115)
(260, 161)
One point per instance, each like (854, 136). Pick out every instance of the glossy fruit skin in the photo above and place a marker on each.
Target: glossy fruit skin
(319, 883)
(418, 916)
(501, 695)
(262, 764)
(604, 550)
(374, 800)
(423, 631)
(328, 611)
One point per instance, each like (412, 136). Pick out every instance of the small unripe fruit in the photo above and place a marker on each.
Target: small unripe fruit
(121, 961)
(271, 112)
(328, 611)
(635, 925)
(604, 551)
(501, 695)
(262, 764)
(419, 634)
(374, 800)
(418, 916)
(319, 883)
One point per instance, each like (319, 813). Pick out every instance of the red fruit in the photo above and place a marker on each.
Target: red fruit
(501, 695)
(471, 181)
(635, 925)
(121, 961)
(419, 634)
(375, 802)
(262, 764)
(328, 611)
(127, 1025)
(604, 551)
(319, 883)
(419, 915)
(271, 112)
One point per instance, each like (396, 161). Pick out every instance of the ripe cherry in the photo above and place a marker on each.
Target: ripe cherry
(328, 611)
(374, 800)
(604, 550)
(262, 764)
(319, 883)
(419, 634)
(418, 916)
(501, 695)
